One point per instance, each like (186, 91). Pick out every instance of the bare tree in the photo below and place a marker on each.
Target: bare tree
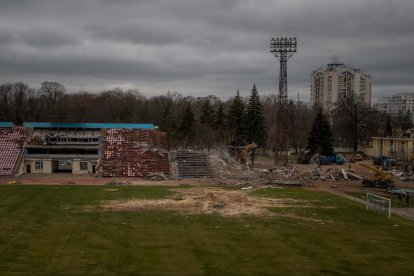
(5, 101)
(19, 94)
(53, 91)
(350, 120)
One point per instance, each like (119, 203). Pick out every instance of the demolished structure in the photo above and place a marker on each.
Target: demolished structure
(82, 148)
(134, 152)
(11, 148)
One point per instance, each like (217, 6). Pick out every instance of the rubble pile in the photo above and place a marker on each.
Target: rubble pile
(222, 168)
(306, 175)
(132, 152)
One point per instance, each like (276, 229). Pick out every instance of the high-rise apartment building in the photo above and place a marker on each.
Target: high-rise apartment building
(327, 85)
(395, 104)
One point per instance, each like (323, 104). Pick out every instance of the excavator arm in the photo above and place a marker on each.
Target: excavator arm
(244, 152)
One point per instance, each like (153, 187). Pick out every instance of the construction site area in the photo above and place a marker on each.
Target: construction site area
(136, 154)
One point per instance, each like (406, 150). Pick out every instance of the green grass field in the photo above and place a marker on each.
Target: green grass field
(43, 230)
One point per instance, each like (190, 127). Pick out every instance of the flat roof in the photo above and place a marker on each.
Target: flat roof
(87, 125)
(393, 138)
(6, 124)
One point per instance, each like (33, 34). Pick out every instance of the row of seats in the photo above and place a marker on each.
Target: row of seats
(11, 147)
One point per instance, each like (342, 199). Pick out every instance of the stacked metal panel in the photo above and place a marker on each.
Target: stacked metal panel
(11, 148)
(134, 152)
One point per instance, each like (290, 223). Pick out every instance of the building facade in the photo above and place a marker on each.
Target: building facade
(104, 149)
(337, 80)
(396, 104)
(399, 148)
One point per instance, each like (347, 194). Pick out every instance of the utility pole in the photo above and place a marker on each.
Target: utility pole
(282, 48)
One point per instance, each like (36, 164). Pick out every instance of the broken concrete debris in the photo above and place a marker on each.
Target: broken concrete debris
(156, 176)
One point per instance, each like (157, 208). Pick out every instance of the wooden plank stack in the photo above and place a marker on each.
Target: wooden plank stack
(134, 152)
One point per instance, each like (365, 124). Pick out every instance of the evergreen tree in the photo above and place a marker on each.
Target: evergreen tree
(207, 123)
(220, 119)
(187, 126)
(168, 124)
(235, 120)
(320, 135)
(207, 114)
(255, 120)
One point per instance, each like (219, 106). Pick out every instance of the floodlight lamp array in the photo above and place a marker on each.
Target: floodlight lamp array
(283, 44)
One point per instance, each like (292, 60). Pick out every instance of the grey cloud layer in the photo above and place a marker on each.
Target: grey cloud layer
(200, 47)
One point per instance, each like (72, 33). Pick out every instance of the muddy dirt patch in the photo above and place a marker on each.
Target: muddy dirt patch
(208, 201)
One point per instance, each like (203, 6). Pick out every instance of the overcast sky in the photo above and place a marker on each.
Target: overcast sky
(201, 47)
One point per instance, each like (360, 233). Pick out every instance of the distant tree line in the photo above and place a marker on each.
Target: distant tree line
(192, 123)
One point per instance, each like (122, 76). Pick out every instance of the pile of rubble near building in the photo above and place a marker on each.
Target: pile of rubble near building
(280, 175)
(134, 152)
(224, 166)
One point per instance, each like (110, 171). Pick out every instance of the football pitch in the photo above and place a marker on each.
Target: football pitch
(190, 231)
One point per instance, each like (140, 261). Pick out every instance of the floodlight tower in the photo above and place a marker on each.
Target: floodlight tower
(282, 48)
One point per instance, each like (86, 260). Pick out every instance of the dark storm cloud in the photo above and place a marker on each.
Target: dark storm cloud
(202, 47)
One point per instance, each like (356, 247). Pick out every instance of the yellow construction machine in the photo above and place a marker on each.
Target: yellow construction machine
(241, 158)
(382, 179)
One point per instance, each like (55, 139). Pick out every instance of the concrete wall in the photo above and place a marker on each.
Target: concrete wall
(76, 169)
(47, 166)
(399, 148)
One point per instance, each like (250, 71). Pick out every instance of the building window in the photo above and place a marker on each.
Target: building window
(362, 84)
(38, 165)
(84, 166)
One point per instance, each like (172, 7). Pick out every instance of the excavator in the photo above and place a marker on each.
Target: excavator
(241, 158)
(382, 179)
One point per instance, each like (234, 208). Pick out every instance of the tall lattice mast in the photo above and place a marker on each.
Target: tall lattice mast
(282, 48)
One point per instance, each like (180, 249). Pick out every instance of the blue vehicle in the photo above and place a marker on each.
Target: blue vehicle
(384, 161)
(333, 159)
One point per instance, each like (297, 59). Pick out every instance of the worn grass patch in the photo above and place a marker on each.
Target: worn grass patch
(38, 235)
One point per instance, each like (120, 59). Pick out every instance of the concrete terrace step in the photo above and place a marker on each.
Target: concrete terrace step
(193, 164)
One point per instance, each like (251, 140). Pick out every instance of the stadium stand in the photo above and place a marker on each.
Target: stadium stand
(134, 152)
(12, 140)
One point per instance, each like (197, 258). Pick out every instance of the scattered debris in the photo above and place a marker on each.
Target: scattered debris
(224, 166)
(111, 190)
(352, 175)
(118, 183)
(286, 182)
(409, 192)
(68, 183)
(247, 188)
(14, 182)
(156, 176)
(344, 174)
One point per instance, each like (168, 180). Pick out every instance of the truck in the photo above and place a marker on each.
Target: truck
(383, 160)
(337, 159)
(358, 157)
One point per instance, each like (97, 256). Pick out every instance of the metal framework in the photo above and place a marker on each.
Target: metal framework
(282, 48)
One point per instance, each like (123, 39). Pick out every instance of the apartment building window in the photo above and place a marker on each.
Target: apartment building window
(39, 165)
(362, 84)
(84, 166)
